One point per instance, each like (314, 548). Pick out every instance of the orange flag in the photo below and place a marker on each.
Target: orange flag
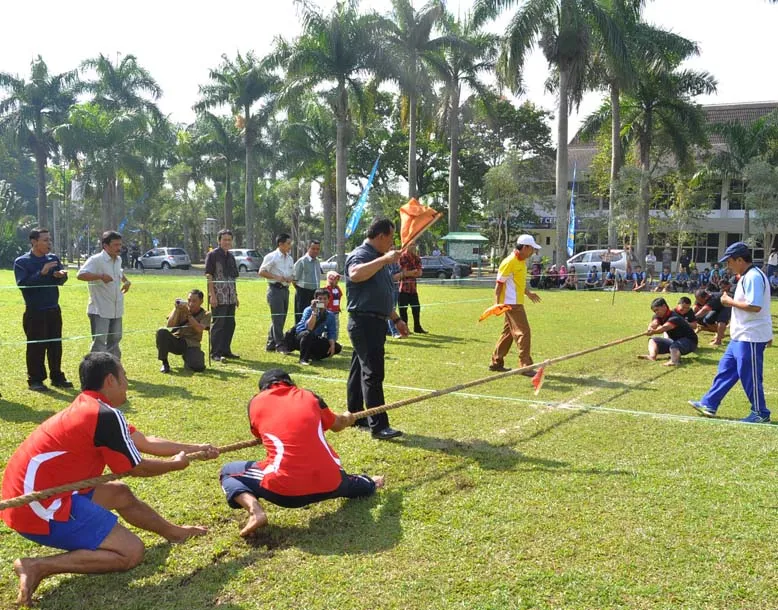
(537, 380)
(414, 220)
(494, 310)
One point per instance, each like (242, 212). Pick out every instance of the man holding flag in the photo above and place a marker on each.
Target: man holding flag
(510, 289)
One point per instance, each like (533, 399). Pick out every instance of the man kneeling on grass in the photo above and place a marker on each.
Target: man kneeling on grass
(75, 444)
(680, 338)
(300, 468)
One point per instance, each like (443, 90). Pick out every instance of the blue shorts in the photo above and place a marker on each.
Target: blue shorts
(89, 524)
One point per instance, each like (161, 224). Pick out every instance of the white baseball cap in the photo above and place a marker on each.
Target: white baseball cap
(527, 240)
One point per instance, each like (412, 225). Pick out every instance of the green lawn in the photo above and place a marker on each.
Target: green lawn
(603, 492)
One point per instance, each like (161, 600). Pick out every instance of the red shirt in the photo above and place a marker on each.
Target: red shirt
(409, 262)
(76, 443)
(291, 423)
(336, 294)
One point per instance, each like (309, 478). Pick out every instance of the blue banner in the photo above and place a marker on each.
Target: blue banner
(571, 226)
(122, 224)
(353, 221)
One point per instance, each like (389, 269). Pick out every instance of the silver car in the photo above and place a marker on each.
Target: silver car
(584, 261)
(165, 258)
(247, 260)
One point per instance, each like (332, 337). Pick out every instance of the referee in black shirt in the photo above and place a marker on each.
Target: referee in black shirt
(369, 303)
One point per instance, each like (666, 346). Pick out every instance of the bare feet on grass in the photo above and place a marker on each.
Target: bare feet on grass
(646, 357)
(256, 521)
(185, 532)
(29, 579)
(671, 363)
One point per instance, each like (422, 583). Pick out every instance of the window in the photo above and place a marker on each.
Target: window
(705, 249)
(737, 190)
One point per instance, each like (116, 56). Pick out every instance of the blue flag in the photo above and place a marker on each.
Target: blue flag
(122, 224)
(571, 226)
(353, 221)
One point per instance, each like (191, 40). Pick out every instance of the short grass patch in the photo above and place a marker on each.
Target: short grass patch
(605, 491)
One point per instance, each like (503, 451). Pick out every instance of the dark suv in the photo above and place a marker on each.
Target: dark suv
(442, 267)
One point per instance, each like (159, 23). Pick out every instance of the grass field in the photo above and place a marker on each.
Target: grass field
(605, 491)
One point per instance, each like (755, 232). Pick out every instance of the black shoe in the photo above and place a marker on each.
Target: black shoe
(165, 367)
(362, 425)
(283, 351)
(421, 331)
(528, 373)
(270, 348)
(499, 368)
(37, 386)
(62, 383)
(386, 434)
(216, 358)
(231, 355)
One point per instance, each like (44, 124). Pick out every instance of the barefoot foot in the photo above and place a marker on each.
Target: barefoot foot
(646, 357)
(671, 363)
(379, 481)
(184, 532)
(29, 579)
(256, 521)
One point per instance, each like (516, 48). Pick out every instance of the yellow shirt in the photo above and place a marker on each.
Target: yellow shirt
(512, 276)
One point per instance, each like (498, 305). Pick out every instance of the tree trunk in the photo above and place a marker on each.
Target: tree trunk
(40, 163)
(340, 175)
(227, 199)
(328, 200)
(105, 209)
(562, 211)
(412, 120)
(615, 163)
(453, 169)
(120, 207)
(249, 202)
(746, 220)
(645, 196)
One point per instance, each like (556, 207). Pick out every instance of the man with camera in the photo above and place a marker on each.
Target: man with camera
(317, 330)
(184, 333)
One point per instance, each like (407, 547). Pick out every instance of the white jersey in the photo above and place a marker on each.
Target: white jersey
(754, 327)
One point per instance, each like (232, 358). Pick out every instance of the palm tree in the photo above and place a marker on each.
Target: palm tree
(124, 85)
(745, 143)
(32, 111)
(243, 84)
(408, 36)
(337, 48)
(219, 143)
(469, 53)
(646, 44)
(660, 107)
(565, 30)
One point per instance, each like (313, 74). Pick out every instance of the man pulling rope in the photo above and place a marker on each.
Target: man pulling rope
(78, 443)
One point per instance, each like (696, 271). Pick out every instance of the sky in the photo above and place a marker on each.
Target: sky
(178, 42)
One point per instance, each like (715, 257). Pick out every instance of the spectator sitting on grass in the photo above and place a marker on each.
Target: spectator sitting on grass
(535, 275)
(638, 279)
(681, 281)
(592, 279)
(571, 281)
(562, 280)
(694, 279)
(665, 279)
(317, 330)
(552, 278)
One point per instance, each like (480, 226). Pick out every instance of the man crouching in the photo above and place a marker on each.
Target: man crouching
(300, 467)
(184, 333)
(76, 444)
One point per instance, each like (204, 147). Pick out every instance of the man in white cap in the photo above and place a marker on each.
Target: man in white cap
(750, 330)
(511, 288)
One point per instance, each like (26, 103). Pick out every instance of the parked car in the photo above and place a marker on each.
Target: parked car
(331, 264)
(442, 267)
(165, 258)
(247, 260)
(584, 261)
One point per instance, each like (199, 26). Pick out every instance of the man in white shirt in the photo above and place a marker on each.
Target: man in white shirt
(278, 268)
(107, 285)
(750, 329)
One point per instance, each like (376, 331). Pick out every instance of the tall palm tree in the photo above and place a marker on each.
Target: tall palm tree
(461, 63)
(565, 31)
(337, 48)
(409, 40)
(250, 89)
(745, 143)
(659, 107)
(32, 111)
(123, 85)
(220, 145)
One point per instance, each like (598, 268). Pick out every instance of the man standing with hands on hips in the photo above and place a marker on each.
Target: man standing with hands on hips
(369, 304)
(39, 273)
(278, 268)
(750, 330)
(221, 271)
(104, 273)
(511, 288)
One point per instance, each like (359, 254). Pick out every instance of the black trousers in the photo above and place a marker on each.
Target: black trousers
(403, 301)
(314, 347)
(168, 343)
(366, 378)
(44, 327)
(302, 299)
(222, 329)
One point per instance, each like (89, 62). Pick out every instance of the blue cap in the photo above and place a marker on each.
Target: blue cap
(737, 250)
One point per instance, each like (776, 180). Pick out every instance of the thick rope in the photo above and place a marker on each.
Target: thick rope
(106, 478)
(482, 380)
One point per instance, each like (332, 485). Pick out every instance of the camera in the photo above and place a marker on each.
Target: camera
(180, 302)
(319, 305)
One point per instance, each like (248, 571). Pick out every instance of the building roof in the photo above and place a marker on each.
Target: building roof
(464, 237)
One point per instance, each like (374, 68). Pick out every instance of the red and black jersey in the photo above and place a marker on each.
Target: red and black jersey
(333, 303)
(680, 328)
(291, 423)
(76, 443)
